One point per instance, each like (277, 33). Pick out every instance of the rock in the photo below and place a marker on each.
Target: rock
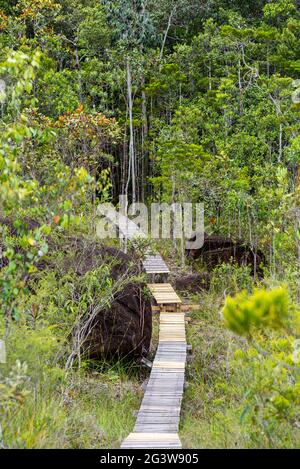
(193, 282)
(219, 249)
(124, 330)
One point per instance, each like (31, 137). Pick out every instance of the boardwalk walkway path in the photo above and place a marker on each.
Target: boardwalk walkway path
(153, 264)
(158, 418)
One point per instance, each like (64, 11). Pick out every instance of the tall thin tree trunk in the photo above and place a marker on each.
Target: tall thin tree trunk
(80, 97)
(144, 137)
(125, 163)
(240, 88)
(132, 162)
(166, 33)
(173, 209)
(280, 142)
(209, 76)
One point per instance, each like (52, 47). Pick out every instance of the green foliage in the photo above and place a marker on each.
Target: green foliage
(263, 308)
(131, 23)
(271, 404)
(12, 389)
(270, 365)
(43, 407)
(180, 156)
(230, 279)
(215, 119)
(240, 395)
(279, 9)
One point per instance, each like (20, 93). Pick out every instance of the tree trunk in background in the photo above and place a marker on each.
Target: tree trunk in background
(145, 162)
(280, 142)
(80, 97)
(132, 162)
(125, 162)
(166, 33)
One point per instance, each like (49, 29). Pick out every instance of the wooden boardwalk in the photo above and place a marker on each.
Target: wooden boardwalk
(153, 264)
(164, 294)
(127, 228)
(158, 418)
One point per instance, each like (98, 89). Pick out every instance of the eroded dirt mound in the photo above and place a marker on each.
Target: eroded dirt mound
(219, 249)
(124, 328)
(193, 282)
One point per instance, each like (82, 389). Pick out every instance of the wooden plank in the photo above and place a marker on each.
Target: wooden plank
(172, 365)
(164, 293)
(154, 264)
(152, 440)
(152, 445)
(183, 308)
(147, 436)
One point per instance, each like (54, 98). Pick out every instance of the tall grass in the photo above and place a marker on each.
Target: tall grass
(51, 408)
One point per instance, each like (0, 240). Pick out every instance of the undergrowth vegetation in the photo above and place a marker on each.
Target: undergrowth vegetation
(194, 101)
(243, 389)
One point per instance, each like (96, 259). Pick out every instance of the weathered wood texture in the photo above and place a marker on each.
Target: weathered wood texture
(158, 418)
(153, 264)
(164, 294)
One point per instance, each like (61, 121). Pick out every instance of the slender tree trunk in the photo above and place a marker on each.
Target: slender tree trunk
(125, 163)
(144, 137)
(132, 162)
(209, 76)
(166, 33)
(280, 142)
(279, 114)
(173, 210)
(182, 247)
(240, 88)
(80, 97)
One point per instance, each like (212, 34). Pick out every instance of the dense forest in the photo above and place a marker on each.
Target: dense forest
(177, 101)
